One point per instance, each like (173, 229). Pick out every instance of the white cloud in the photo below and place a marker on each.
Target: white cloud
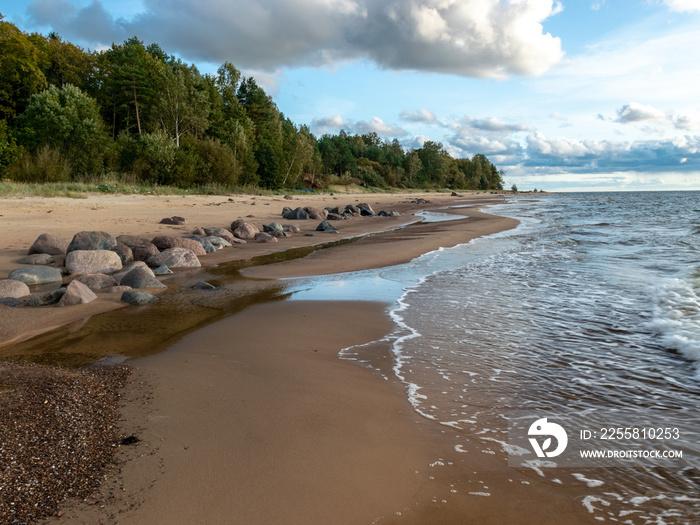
(378, 126)
(683, 5)
(483, 38)
(634, 112)
(557, 146)
(421, 115)
(688, 121)
(335, 123)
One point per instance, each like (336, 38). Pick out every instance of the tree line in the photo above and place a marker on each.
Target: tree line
(69, 114)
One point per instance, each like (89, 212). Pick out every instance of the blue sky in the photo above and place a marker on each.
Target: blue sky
(569, 95)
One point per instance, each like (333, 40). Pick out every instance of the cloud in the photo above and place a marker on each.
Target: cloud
(335, 123)
(378, 126)
(681, 153)
(422, 115)
(689, 121)
(494, 124)
(634, 112)
(683, 5)
(481, 38)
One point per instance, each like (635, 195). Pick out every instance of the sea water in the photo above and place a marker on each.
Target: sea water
(592, 303)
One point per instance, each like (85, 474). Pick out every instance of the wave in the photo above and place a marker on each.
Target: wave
(676, 315)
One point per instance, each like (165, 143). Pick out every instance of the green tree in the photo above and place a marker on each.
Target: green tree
(68, 64)
(182, 103)
(67, 120)
(434, 166)
(20, 70)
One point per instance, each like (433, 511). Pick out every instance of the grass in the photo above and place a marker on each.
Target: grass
(130, 186)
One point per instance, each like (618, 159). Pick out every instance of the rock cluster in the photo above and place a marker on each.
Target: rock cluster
(95, 261)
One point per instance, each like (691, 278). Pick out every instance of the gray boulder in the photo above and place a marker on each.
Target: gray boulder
(46, 298)
(317, 214)
(124, 253)
(219, 232)
(138, 264)
(37, 258)
(326, 226)
(272, 227)
(93, 261)
(36, 275)
(94, 281)
(77, 293)
(175, 258)
(11, 301)
(117, 289)
(202, 285)
(298, 214)
(51, 244)
(366, 210)
(138, 298)
(91, 241)
(292, 228)
(163, 270)
(14, 289)
(141, 278)
(208, 247)
(217, 241)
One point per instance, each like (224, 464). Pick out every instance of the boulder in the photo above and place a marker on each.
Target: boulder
(94, 281)
(219, 232)
(143, 251)
(392, 213)
(366, 210)
(93, 261)
(138, 298)
(217, 241)
(141, 278)
(91, 241)
(163, 270)
(36, 275)
(77, 293)
(202, 285)
(336, 217)
(174, 221)
(265, 237)
(165, 242)
(326, 226)
(244, 230)
(208, 247)
(11, 301)
(298, 214)
(117, 289)
(138, 264)
(37, 258)
(292, 228)
(124, 252)
(47, 243)
(175, 258)
(289, 197)
(316, 213)
(199, 232)
(14, 289)
(352, 209)
(272, 227)
(280, 234)
(131, 240)
(46, 298)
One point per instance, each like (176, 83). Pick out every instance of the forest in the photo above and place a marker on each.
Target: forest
(133, 110)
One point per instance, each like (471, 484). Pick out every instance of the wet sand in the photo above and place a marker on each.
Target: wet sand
(254, 419)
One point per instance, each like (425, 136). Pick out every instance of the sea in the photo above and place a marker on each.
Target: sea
(587, 315)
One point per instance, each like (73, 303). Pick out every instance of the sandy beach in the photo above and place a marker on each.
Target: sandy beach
(248, 416)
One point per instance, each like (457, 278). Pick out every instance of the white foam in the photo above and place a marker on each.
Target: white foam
(676, 317)
(589, 482)
(589, 501)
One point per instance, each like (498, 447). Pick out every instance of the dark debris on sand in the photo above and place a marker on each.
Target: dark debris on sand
(58, 435)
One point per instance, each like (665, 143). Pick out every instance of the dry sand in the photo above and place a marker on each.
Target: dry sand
(254, 419)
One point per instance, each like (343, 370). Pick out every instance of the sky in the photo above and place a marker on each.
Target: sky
(568, 95)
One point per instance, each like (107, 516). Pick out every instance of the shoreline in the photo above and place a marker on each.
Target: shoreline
(315, 394)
